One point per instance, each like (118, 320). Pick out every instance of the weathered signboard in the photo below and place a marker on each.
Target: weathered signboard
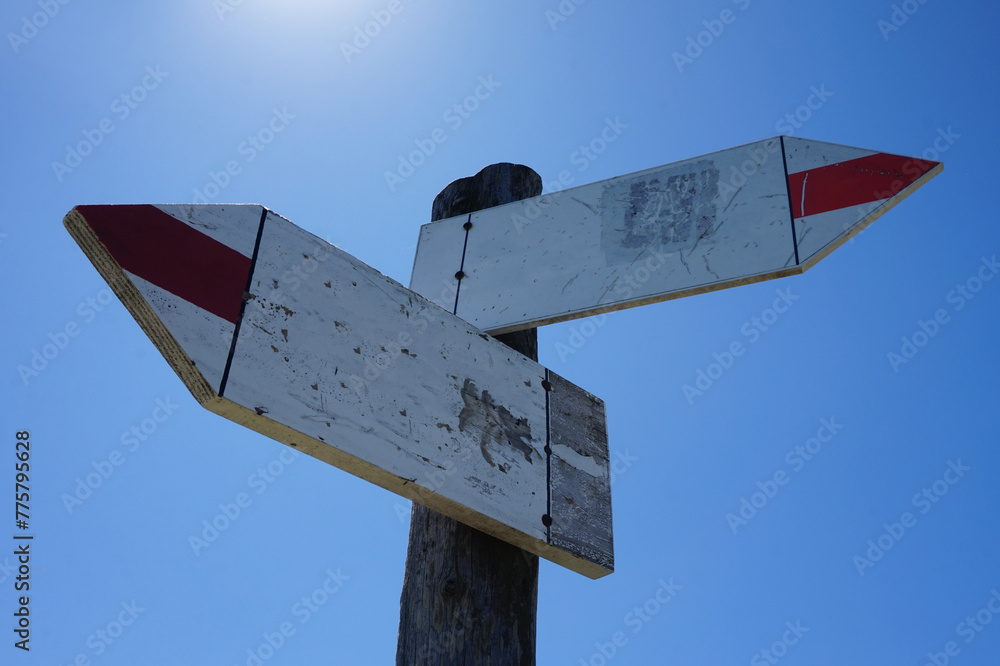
(278, 330)
(761, 211)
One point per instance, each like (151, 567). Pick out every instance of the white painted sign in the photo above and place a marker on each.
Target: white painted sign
(757, 212)
(288, 335)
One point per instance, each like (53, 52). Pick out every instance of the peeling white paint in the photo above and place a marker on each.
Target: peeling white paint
(583, 463)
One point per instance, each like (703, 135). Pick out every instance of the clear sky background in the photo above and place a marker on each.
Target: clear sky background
(162, 95)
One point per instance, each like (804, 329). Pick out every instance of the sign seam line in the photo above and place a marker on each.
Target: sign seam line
(548, 460)
(788, 190)
(461, 265)
(243, 304)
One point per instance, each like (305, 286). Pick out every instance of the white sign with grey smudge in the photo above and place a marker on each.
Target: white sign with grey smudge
(349, 366)
(756, 212)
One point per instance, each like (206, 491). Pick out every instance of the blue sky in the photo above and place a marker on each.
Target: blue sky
(281, 103)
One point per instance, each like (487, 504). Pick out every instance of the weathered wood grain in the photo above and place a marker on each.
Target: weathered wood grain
(580, 509)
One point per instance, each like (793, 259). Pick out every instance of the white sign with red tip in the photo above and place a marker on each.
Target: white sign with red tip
(288, 335)
(756, 212)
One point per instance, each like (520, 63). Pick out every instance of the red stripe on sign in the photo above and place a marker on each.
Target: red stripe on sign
(853, 183)
(172, 255)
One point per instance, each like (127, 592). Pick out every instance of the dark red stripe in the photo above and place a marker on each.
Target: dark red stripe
(172, 255)
(853, 183)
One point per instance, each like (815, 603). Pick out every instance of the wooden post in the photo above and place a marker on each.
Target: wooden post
(470, 599)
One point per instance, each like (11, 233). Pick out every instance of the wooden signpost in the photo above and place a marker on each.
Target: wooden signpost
(469, 598)
(288, 335)
(757, 212)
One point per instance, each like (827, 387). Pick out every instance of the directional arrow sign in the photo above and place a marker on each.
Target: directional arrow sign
(278, 330)
(761, 211)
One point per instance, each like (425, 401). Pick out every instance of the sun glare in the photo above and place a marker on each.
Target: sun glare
(283, 13)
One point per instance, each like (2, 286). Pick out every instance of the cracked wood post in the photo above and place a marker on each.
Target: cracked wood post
(470, 599)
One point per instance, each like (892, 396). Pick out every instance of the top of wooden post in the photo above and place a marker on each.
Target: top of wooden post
(495, 185)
